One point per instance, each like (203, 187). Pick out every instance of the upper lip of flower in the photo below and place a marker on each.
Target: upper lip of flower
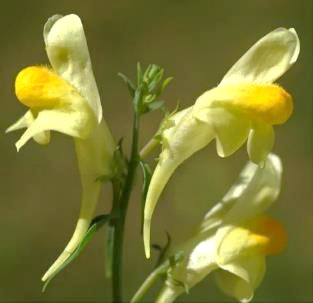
(267, 60)
(69, 56)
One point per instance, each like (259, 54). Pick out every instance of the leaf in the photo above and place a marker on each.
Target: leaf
(139, 74)
(160, 104)
(119, 163)
(155, 80)
(130, 84)
(166, 83)
(162, 250)
(146, 75)
(95, 225)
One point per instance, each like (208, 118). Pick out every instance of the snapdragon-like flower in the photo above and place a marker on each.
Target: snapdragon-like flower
(243, 107)
(233, 239)
(65, 98)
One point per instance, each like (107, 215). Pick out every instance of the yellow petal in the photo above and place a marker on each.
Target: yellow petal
(68, 53)
(251, 195)
(240, 278)
(267, 60)
(260, 142)
(76, 122)
(261, 236)
(231, 130)
(179, 143)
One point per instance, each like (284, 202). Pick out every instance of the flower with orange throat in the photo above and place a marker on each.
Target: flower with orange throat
(243, 107)
(65, 98)
(234, 239)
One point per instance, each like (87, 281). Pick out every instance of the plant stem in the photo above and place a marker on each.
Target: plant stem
(149, 282)
(149, 148)
(121, 209)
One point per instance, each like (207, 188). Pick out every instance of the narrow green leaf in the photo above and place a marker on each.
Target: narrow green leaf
(162, 250)
(119, 163)
(130, 84)
(146, 75)
(154, 71)
(156, 105)
(166, 83)
(95, 225)
(139, 74)
(156, 80)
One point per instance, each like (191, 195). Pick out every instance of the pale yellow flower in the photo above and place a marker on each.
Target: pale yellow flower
(243, 107)
(234, 238)
(65, 98)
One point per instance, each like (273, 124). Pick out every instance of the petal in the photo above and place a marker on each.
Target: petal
(255, 190)
(42, 138)
(231, 129)
(179, 143)
(267, 59)
(260, 142)
(68, 53)
(239, 279)
(73, 123)
(261, 235)
(24, 122)
(200, 257)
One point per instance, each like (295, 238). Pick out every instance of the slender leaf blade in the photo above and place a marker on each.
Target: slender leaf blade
(95, 225)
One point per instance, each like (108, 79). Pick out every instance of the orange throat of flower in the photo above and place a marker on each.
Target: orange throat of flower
(40, 87)
(268, 235)
(268, 103)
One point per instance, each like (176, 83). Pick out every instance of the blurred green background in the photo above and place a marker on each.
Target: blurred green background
(197, 42)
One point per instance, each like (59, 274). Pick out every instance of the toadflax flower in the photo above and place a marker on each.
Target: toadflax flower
(65, 98)
(234, 238)
(243, 107)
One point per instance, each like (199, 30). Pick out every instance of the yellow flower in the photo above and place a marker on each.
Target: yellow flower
(243, 107)
(65, 98)
(233, 239)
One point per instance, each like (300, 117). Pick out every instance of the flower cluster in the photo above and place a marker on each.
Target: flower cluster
(235, 236)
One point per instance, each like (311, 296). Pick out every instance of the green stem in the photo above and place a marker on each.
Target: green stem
(149, 148)
(121, 209)
(149, 282)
